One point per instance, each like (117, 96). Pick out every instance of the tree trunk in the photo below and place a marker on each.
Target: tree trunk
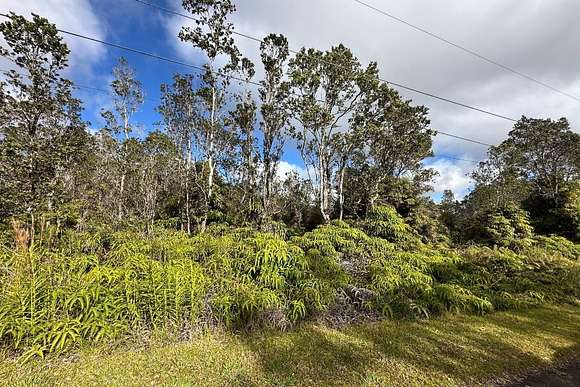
(267, 180)
(323, 187)
(211, 145)
(32, 230)
(187, 198)
(210, 158)
(120, 213)
(341, 192)
(120, 198)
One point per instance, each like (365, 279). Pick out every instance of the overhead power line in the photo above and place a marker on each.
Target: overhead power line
(77, 85)
(467, 50)
(152, 55)
(464, 138)
(145, 53)
(396, 84)
(174, 61)
(437, 156)
(198, 68)
(180, 14)
(85, 87)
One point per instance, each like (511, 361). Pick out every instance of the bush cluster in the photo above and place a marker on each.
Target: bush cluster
(104, 285)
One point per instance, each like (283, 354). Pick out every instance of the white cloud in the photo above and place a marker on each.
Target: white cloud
(451, 176)
(185, 50)
(539, 39)
(285, 167)
(71, 15)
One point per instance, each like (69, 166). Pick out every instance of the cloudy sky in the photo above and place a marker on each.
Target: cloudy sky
(537, 37)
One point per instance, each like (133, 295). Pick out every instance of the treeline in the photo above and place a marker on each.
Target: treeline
(214, 156)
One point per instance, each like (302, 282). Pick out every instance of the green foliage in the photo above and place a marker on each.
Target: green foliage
(572, 206)
(100, 286)
(419, 284)
(103, 286)
(508, 225)
(532, 276)
(86, 287)
(384, 222)
(42, 135)
(536, 167)
(557, 246)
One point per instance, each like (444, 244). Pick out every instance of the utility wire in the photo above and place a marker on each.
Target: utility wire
(464, 139)
(452, 158)
(145, 53)
(141, 52)
(176, 13)
(77, 85)
(399, 85)
(465, 49)
(152, 55)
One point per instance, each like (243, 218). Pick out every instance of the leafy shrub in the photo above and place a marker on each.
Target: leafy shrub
(550, 246)
(421, 284)
(572, 206)
(508, 225)
(384, 222)
(513, 280)
(103, 285)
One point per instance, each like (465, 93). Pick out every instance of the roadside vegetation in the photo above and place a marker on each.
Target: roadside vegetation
(451, 350)
(101, 286)
(185, 247)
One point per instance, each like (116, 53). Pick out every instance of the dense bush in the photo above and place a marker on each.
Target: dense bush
(384, 222)
(102, 285)
(91, 288)
(508, 225)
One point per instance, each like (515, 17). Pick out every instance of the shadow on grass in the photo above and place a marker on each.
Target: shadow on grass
(450, 350)
(567, 373)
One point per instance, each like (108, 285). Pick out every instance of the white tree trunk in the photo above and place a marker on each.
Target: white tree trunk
(210, 157)
(341, 192)
(187, 198)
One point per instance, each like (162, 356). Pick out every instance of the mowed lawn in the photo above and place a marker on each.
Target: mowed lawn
(451, 350)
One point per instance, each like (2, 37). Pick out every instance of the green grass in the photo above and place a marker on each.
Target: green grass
(451, 350)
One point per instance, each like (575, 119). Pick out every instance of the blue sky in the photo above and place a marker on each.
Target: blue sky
(540, 40)
(133, 25)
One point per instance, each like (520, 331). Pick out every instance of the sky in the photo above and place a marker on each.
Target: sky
(537, 37)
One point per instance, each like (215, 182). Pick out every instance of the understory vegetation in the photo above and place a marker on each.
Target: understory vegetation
(101, 285)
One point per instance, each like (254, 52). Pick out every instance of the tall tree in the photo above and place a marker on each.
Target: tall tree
(213, 35)
(544, 152)
(242, 120)
(535, 167)
(42, 135)
(326, 90)
(347, 146)
(127, 97)
(156, 157)
(449, 211)
(180, 119)
(274, 93)
(396, 136)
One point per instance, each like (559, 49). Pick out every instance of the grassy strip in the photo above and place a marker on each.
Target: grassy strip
(454, 349)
